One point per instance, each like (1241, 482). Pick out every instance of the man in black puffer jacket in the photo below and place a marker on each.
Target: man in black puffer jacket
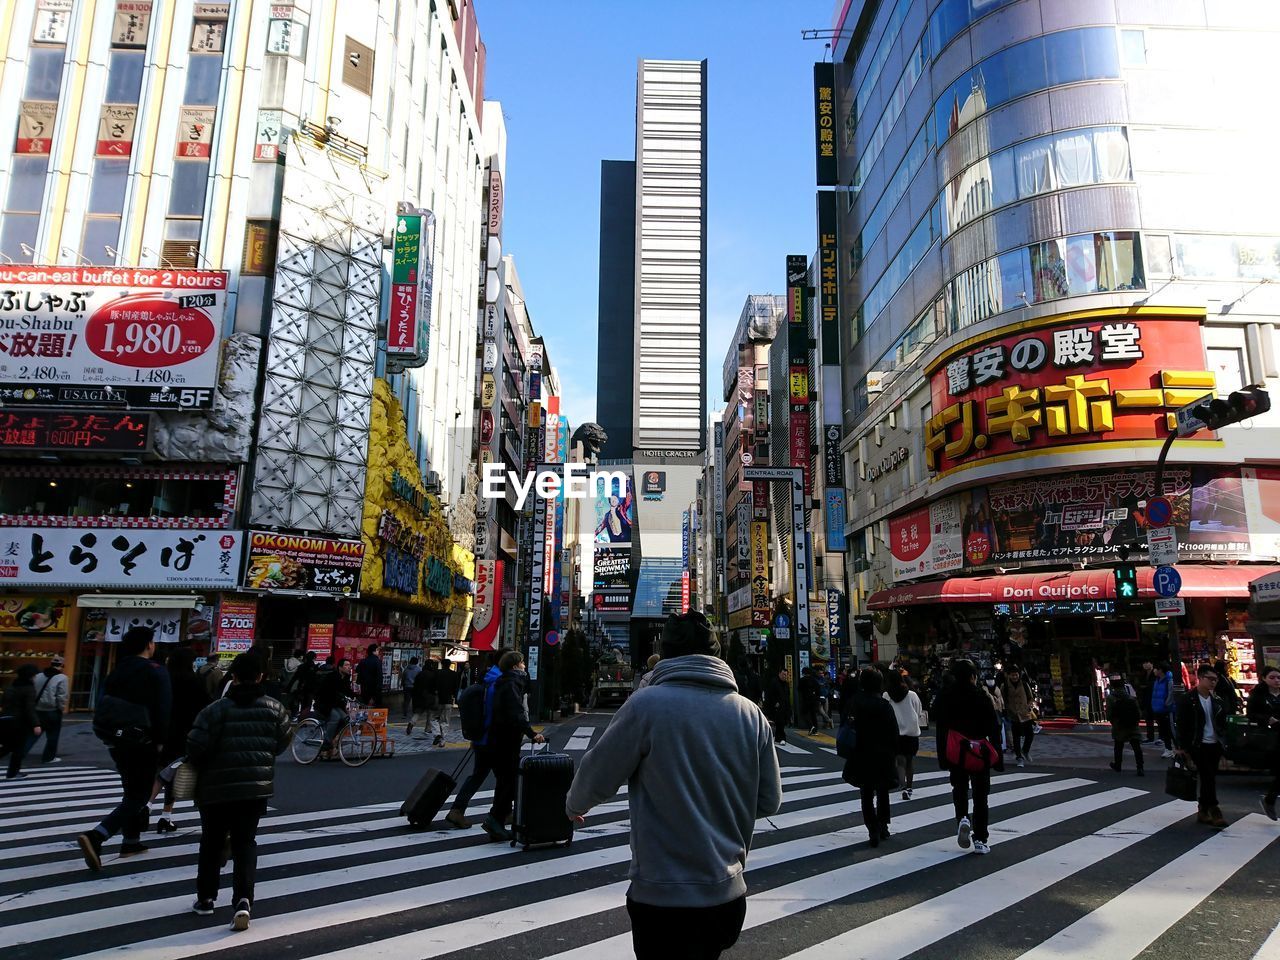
(233, 746)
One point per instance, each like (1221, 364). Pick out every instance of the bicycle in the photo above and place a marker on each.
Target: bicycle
(355, 742)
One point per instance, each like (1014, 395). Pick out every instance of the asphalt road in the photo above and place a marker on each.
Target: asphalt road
(1085, 863)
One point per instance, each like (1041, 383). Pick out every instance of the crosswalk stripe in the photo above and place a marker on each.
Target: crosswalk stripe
(1161, 899)
(28, 789)
(788, 747)
(919, 926)
(54, 802)
(1270, 949)
(107, 802)
(435, 941)
(581, 738)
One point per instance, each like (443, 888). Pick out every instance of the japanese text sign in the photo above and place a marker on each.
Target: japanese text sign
(48, 556)
(37, 429)
(824, 122)
(1104, 378)
(110, 335)
(409, 317)
(279, 561)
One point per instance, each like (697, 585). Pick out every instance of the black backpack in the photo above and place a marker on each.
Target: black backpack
(471, 711)
(122, 723)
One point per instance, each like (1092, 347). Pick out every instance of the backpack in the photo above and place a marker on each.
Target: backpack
(1125, 712)
(122, 723)
(471, 711)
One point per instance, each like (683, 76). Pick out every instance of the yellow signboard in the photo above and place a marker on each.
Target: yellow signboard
(488, 391)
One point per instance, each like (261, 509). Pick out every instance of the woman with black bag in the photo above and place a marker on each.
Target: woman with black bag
(871, 766)
(1264, 710)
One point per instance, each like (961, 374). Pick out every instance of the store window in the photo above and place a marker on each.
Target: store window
(49, 496)
(1227, 364)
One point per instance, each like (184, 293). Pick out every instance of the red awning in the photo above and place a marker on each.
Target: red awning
(1099, 584)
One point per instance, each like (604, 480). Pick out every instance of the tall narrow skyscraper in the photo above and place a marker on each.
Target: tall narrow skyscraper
(616, 330)
(670, 381)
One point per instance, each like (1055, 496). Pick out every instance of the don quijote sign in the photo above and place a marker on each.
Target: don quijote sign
(110, 336)
(1053, 591)
(890, 463)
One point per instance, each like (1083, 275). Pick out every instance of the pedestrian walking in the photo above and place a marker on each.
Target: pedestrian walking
(333, 690)
(909, 715)
(189, 697)
(446, 691)
(133, 719)
(213, 675)
(369, 678)
(1125, 715)
(292, 664)
(968, 731)
(506, 724)
(20, 723)
(1162, 706)
(809, 696)
(1146, 681)
(648, 671)
(301, 687)
(407, 677)
(51, 705)
(424, 700)
(233, 747)
(872, 768)
(824, 698)
(1199, 726)
(1019, 706)
(1264, 711)
(777, 704)
(689, 845)
(1226, 689)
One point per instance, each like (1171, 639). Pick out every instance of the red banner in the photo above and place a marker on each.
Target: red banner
(1110, 378)
(488, 604)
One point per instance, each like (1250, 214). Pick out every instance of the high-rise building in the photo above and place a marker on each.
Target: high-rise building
(670, 382)
(615, 347)
(1055, 229)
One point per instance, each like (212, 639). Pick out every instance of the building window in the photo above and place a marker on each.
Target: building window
(1133, 48)
(186, 196)
(1227, 364)
(181, 246)
(106, 204)
(100, 240)
(204, 75)
(124, 76)
(44, 73)
(357, 66)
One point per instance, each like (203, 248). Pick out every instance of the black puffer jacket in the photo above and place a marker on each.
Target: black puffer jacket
(234, 745)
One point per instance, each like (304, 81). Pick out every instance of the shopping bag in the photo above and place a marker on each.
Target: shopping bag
(1180, 781)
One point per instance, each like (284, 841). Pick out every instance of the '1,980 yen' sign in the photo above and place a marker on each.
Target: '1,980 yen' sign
(110, 336)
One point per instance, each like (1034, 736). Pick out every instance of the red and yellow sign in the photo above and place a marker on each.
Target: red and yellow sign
(1097, 376)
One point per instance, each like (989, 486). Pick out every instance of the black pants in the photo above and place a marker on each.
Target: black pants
(1166, 729)
(875, 808)
(51, 724)
(239, 819)
(1150, 717)
(1024, 732)
(137, 769)
(479, 772)
(1207, 757)
(16, 747)
(505, 759)
(685, 933)
(980, 781)
(1135, 743)
(1273, 791)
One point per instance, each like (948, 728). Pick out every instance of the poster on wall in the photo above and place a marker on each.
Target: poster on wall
(164, 622)
(110, 336)
(615, 513)
(611, 579)
(289, 563)
(237, 623)
(926, 541)
(30, 615)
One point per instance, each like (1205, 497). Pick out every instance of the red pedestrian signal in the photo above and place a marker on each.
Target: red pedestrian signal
(1239, 405)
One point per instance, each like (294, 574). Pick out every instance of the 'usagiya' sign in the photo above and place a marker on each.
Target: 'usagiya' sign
(1083, 378)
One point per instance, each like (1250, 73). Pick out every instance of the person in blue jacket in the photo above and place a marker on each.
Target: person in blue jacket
(1162, 706)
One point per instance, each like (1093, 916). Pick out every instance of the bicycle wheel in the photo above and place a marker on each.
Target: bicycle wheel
(356, 743)
(308, 739)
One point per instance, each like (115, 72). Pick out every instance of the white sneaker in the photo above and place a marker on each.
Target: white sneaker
(1021, 762)
(963, 833)
(1167, 755)
(54, 760)
(980, 847)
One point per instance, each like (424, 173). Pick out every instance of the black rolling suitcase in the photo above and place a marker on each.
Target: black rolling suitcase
(541, 789)
(426, 799)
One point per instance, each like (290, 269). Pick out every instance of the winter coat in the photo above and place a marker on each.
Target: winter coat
(1006, 701)
(1188, 720)
(144, 682)
(51, 690)
(508, 719)
(1125, 716)
(20, 701)
(333, 689)
(446, 686)
(409, 676)
(963, 707)
(1264, 706)
(700, 769)
(777, 701)
(424, 691)
(214, 679)
(369, 676)
(872, 764)
(908, 712)
(234, 745)
(1162, 693)
(189, 698)
(809, 691)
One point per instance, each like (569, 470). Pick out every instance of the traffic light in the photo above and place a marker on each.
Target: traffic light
(1239, 405)
(1126, 575)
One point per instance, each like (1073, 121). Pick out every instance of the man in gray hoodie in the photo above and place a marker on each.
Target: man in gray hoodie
(701, 768)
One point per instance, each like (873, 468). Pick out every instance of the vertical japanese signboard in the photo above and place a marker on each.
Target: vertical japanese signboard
(829, 327)
(760, 596)
(409, 316)
(824, 122)
(798, 364)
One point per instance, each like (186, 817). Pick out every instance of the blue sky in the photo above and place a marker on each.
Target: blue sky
(566, 77)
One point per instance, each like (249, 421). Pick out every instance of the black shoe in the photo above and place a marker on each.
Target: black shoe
(438, 742)
(132, 849)
(1269, 808)
(91, 847)
(16, 776)
(1114, 766)
(875, 839)
(1140, 773)
(496, 831)
(202, 908)
(240, 919)
(884, 833)
(812, 731)
(166, 825)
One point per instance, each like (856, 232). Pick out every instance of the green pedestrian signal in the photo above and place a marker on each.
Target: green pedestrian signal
(1126, 575)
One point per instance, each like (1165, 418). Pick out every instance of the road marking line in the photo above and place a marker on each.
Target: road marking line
(788, 747)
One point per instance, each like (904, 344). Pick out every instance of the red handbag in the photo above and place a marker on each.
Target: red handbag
(972, 756)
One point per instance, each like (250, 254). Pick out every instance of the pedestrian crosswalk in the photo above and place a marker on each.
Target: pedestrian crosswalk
(352, 883)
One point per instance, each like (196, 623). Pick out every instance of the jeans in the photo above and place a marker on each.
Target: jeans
(51, 724)
(406, 704)
(1207, 757)
(687, 933)
(875, 808)
(1133, 742)
(980, 780)
(1024, 732)
(332, 725)
(479, 772)
(439, 722)
(137, 769)
(239, 818)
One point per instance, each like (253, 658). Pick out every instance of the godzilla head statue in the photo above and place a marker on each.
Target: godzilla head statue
(593, 438)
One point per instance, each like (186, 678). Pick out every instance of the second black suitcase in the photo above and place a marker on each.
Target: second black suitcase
(426, 799)
(541, 790)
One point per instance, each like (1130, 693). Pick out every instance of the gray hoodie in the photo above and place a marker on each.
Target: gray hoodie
(700, 767)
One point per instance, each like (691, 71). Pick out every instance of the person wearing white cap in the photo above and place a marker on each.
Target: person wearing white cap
(51, 704)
